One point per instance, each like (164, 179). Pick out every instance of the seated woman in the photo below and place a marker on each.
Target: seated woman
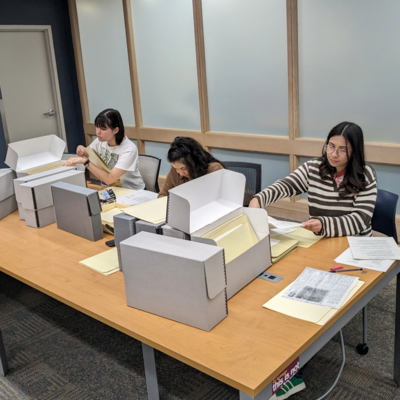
(116, 150)
(341, 187)
(189, 161)
(341, 198)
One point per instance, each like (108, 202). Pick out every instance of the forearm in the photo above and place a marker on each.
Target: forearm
(107, 177)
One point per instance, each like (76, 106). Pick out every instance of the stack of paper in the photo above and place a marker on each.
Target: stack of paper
(106, 263)
(236, 236)
(374, 248)
(154, 211)
(283, 248)
(315, 296)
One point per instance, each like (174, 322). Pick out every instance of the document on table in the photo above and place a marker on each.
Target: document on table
(321, 288)
(107, 217)
(153, 211)
(106, 263)
(139, 197)
(378, 265)
(274, 241)
(308, 312)
(236, 236)
(373, 248)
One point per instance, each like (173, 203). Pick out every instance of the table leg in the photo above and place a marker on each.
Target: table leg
(3, 358)
(397, 334)
(263, 395)
(150, 372)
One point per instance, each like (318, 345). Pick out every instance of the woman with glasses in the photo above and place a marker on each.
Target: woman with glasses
(341, 187)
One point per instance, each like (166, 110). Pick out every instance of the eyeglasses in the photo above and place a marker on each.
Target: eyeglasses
(341, 151)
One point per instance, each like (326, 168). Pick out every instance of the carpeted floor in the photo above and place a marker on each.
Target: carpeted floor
(56, 352)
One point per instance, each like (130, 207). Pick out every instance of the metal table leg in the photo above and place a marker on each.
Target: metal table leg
(150, 372)
(3, 358)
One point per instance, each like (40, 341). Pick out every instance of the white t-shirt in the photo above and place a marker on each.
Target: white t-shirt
(124, 156)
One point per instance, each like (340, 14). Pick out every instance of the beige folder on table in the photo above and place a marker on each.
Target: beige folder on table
(106, 263)
(305, 237)
(236, 236)
(153, 211)
(309, 312)
(283, 248)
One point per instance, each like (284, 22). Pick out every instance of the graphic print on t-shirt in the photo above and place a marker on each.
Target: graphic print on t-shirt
(109, 158)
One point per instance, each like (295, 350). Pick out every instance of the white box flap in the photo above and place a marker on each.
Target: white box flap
(7, 176)
(201, 201)
(210, 256)
(31, 153)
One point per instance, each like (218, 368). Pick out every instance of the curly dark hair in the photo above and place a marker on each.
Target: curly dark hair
(354, 179)
(190, 152)
(110, 118)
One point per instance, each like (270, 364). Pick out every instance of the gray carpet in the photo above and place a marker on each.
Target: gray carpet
(56, 352)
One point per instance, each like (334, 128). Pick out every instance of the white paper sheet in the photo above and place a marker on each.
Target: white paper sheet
(378, 265)
(276, 232)
(283, 224)
(321, 288)
(139, 197)
(373, 248)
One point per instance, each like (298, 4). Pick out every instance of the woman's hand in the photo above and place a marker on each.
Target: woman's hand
(74, 160)
(254, 203)
(313, 225)
(81, 151)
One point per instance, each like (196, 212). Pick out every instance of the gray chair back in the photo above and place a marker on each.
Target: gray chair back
(149, 168)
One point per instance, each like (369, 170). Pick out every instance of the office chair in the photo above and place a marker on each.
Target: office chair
(252, 172)
(149, 168)
(383, 221)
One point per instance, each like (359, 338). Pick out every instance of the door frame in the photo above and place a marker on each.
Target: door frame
(51, 61)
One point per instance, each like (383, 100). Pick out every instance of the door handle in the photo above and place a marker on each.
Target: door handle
(49, 113)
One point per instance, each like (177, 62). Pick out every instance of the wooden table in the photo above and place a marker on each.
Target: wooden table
(247, 350)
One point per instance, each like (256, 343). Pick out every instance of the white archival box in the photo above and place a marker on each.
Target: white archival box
(175, 278)
(204, 203)
(8, 203)
(30, 178)
(36, 195)
(31, 153)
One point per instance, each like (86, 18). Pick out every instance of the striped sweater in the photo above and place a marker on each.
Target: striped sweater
(339, 217)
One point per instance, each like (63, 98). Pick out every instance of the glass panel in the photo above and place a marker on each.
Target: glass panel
(166, 61)
(349, 63)
(388, 177)
(246, 57)
(159, 150)
(273, 167)
(105, 57)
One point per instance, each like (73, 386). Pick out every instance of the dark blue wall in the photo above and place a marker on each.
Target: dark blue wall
(54, 13)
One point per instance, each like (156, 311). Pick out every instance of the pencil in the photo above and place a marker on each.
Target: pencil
(348, 270)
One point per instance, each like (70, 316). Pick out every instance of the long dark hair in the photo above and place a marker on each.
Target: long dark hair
(354, 179)
(111, 118)
(190, 152)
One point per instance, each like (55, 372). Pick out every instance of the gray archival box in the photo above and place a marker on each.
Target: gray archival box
(77, 210)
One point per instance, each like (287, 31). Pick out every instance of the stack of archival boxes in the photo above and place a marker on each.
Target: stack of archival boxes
(37, 165)
(191, 281)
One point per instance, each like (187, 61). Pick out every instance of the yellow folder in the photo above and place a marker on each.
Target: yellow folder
(236, 236)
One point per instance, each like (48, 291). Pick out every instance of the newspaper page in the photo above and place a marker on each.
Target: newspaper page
(321, 288)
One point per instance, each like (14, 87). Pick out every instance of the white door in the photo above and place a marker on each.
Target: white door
(29, 83)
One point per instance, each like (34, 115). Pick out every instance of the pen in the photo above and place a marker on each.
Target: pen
(348, 270)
